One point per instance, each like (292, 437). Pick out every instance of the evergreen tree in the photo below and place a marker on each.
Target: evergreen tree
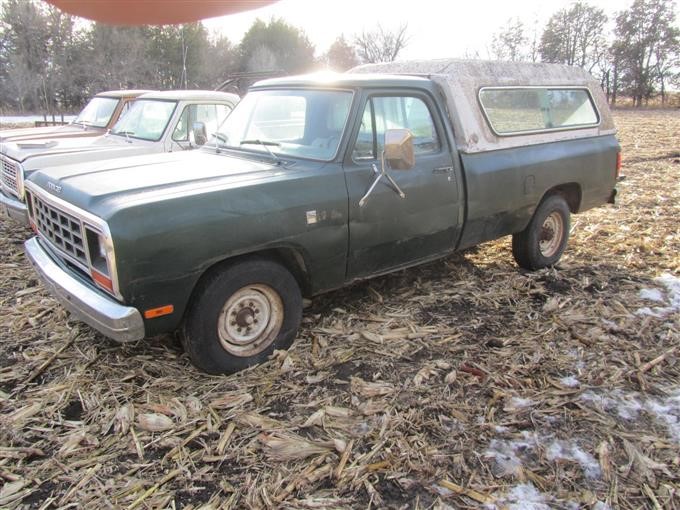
(276, 46)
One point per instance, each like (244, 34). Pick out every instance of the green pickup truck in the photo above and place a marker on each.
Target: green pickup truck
(314, 182)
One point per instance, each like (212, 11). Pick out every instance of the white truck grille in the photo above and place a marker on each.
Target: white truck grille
(10, 176)
(64, 231)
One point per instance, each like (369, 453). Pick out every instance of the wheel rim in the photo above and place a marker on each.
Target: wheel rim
(250, 320)
(552, 232)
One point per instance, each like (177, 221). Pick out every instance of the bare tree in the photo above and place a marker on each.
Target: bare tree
(647, 45)
(380, 45)
(510, 42)
(534, 43)
(574, 36)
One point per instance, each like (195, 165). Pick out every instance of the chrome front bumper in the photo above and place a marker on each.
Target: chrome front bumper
(122, 323)
(14, 208)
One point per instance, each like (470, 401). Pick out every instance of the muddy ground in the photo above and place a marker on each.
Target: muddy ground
(464, 383)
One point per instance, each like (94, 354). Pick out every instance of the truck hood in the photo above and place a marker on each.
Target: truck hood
(39, 153)
(65, 131)
(104, 187)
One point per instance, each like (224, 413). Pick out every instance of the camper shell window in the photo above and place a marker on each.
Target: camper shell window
(522, 110)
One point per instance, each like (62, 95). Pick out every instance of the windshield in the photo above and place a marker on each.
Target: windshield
(300, 123)
(97, 112)
(146, 119)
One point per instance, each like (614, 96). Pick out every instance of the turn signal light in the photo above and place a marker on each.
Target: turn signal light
(159, 312)
(102, 280)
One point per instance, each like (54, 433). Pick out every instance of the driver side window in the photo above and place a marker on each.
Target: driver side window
(394, 112)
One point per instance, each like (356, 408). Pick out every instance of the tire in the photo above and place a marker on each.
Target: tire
(240, 314)
(543, 241)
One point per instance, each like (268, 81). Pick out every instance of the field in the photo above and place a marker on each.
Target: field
(464, 383)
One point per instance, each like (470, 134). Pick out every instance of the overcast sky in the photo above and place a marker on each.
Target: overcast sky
(436, 28)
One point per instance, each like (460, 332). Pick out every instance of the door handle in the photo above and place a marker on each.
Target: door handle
(443, 170)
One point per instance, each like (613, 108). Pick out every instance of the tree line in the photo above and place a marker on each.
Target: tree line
(640, 61)
(51, 61)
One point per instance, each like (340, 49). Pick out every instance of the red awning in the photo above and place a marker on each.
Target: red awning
(154, 12)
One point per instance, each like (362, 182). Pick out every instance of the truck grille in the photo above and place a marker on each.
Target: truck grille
(9, 176)
(63, 230)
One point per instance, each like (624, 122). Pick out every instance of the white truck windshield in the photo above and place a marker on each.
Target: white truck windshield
(146, 119)
(97, 112)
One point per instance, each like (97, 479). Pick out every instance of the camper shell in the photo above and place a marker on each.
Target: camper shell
(462, 81)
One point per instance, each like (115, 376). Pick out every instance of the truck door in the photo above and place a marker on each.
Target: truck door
(389, 231)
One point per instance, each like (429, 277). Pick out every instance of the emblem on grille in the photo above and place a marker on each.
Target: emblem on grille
(55, 188)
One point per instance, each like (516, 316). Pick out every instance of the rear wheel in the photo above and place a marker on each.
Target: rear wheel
(543, 241)
(241, 314)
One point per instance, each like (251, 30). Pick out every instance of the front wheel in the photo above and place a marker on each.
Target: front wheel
(543, 241)
(241, 313)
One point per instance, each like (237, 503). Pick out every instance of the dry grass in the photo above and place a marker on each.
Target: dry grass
(465, 382)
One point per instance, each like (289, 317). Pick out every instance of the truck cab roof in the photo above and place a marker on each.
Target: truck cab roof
(342, 80)
(191, 95)
(122, 93)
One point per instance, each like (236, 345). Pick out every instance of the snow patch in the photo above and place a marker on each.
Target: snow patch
(570, 381)
(522, 497)
(516, 403)
(664, 410)
(508, 455)
(625, 405)
(504, 453)
(667, 411)
(671, 298)
(563, 450)
(651, 295)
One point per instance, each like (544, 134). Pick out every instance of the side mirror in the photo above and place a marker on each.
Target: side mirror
(199, 133)
(399, 152)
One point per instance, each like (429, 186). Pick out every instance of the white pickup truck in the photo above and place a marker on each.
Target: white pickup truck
(155, 122)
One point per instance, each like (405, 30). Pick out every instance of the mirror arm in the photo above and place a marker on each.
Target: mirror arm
(389, 177)
(379, 175)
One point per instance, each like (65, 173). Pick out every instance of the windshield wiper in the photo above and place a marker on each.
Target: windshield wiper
(266, 144)
(221, 140)
(126, 133)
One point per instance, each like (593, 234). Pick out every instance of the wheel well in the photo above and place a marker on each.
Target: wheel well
(289, 258)
(571, 192)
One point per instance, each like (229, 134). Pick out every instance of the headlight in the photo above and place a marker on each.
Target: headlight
(100, 254)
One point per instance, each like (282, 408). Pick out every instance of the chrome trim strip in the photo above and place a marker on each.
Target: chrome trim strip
(538, 131)
(16, 209)
(91, 220)
(122, 323)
